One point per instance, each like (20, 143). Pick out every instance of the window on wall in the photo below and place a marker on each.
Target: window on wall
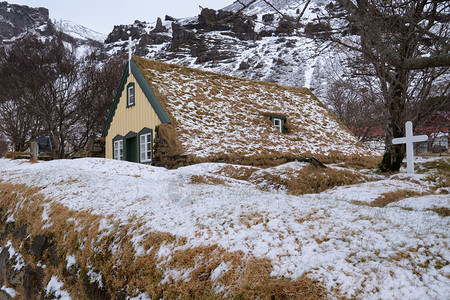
(118, 150)
(146, 147)
(278, 124)
(279, 121)
(130, 94)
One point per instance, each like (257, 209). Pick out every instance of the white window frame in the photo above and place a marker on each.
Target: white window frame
(145, 147)
(278, 124)
(130, 95)
(118, 150)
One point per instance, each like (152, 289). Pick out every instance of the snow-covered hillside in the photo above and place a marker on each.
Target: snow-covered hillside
(399, 251)
(260, 45)
(78, 31)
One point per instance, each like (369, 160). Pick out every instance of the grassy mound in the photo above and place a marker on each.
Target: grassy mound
(113, 260)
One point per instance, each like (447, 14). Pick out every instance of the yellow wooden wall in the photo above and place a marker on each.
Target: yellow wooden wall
(132, 118)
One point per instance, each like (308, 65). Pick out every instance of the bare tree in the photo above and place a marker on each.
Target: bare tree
(3, 145)
(50, 91)
(15, 124)
(356, 106)
(42, 79)
(99, 82)
(406, 46)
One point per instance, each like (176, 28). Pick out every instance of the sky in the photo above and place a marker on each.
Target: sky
(102, 15)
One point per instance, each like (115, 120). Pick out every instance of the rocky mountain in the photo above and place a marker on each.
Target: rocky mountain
(17, 21)
(257, 41)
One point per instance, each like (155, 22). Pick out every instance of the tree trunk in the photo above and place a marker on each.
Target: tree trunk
(396, 109)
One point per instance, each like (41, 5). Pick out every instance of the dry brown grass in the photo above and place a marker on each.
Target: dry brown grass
(16, 155)
(110, 253)
(394, 196)
(168, 150)
(440, 172)
(206, 179)
(351, 161)
(252, 219)
(390, 197)
(442, 211)
(308, 179)
(237, 172)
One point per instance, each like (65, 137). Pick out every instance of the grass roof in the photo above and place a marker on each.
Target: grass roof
(216, 115)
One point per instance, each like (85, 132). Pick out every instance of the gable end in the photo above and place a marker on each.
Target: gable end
(159, 110)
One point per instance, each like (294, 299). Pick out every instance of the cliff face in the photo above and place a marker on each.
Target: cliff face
(18, 19)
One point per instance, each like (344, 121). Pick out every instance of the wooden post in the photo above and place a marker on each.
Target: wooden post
(34, 151)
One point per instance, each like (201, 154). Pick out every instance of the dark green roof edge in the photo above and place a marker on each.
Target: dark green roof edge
(163, 117)
(282, 117)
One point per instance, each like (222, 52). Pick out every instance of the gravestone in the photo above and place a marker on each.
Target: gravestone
(409, 140)
(34, 151)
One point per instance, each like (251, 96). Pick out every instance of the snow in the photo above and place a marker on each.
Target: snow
(15, 256)
(54, 287)
(71, 260)
(78, 31)
(351, 247)
(423, 203)
(369, 191)
(140, 297)
(9, 291)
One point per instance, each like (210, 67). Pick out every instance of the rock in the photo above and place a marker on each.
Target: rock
(268, 18)
(169, 18)
(207, 19)
(243, 65)
(286, 25)
(4, 256)
(123, 32)
(264, 33)
(153, 39)
(32, 281)
(94, 291)
(159, 27)
(20, 232)
(4, 295)
(244, 29)
(9, 227)
(8, 269)
(180, 35)
(211, 20)
(38, 246)
(18, 19)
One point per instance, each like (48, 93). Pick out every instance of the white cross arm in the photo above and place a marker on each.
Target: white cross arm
(404, 140)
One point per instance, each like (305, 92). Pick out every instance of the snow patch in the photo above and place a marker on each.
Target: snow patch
(71, 260)
(54, 287)
(9, 291)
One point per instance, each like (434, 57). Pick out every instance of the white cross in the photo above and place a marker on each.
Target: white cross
(129, 55)
(409, 140)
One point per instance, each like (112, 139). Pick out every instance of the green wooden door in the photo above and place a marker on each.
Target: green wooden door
(131, 150)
